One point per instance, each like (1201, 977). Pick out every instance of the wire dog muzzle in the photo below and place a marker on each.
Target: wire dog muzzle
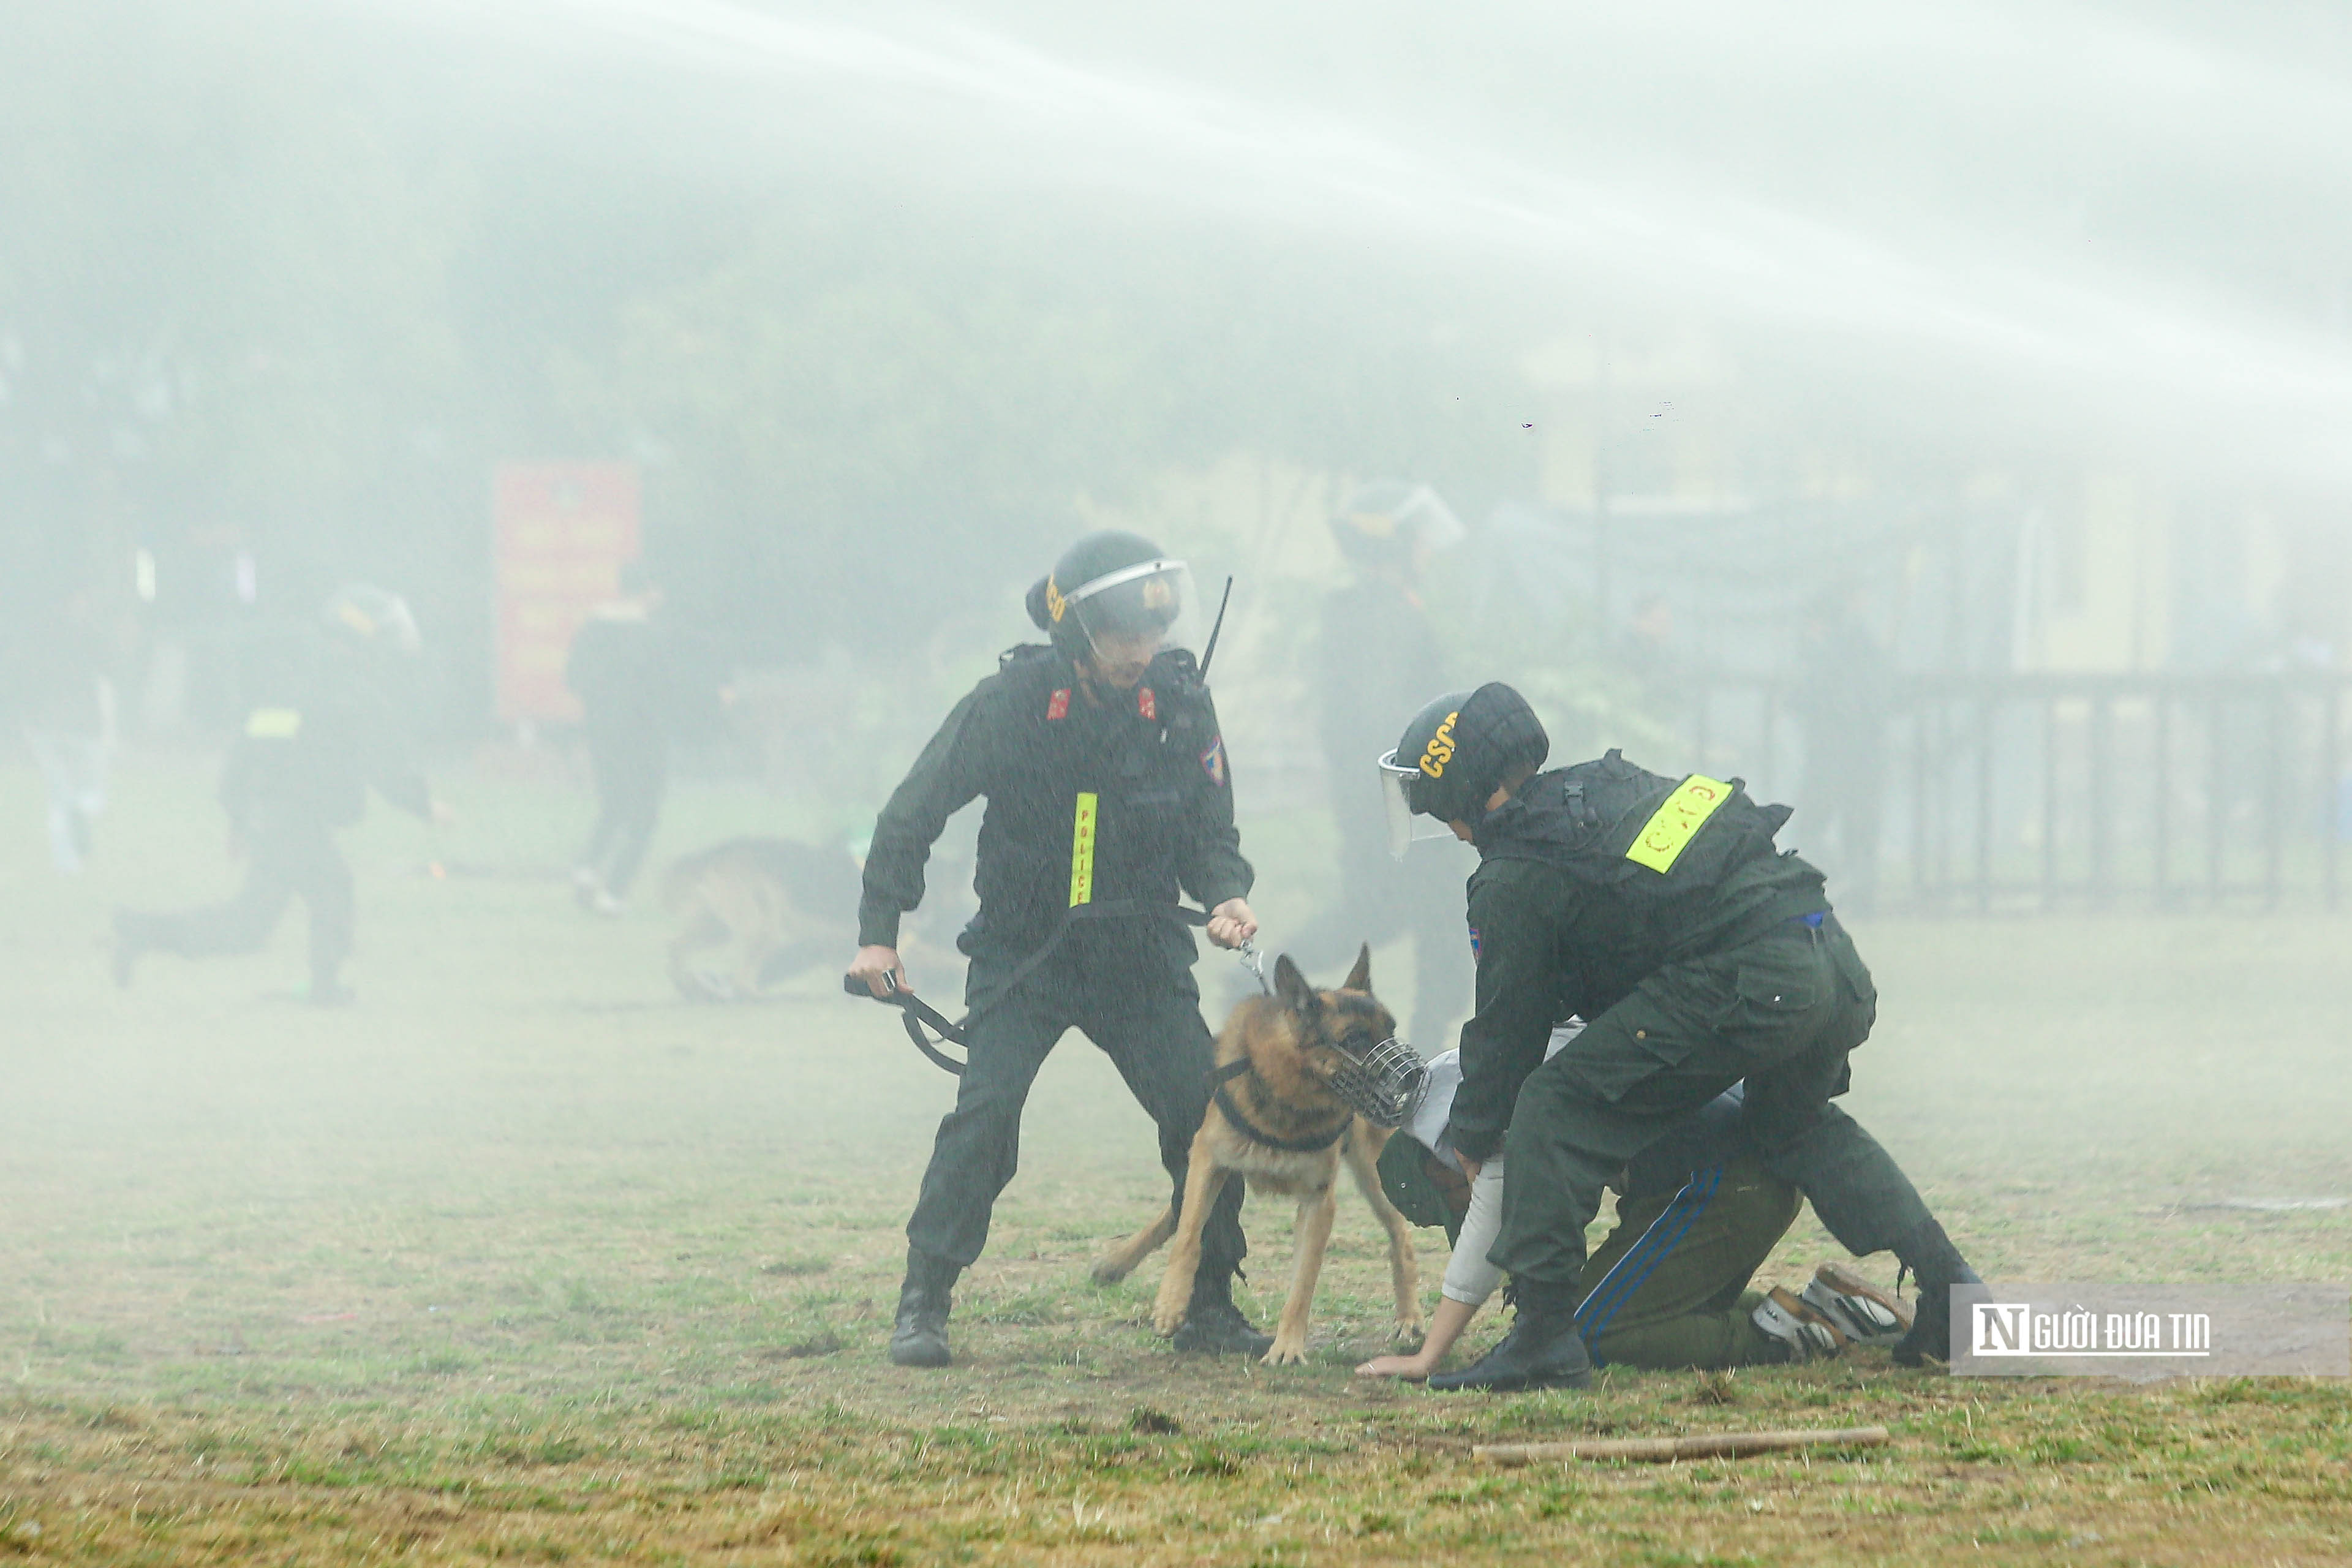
(1384, 1085)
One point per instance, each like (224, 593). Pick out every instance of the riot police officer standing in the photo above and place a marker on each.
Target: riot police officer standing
(1108, 790)
(1658, 909)
(301, 770)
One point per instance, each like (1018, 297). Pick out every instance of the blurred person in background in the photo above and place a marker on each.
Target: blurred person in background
(300, 770)
(61, 674)
(1378, 649)
(624, 671)
(1109, 791)
(1842, 701)
(1659, 911)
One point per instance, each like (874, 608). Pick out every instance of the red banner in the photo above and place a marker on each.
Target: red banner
(562, 532)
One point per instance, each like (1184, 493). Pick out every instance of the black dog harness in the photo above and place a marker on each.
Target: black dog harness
(1220, 1077)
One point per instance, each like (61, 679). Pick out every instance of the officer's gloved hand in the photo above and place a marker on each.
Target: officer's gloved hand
(1232, 924)
(879, 969)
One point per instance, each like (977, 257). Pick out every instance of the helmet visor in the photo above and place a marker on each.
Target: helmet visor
(1406, 828)
(1130, 615)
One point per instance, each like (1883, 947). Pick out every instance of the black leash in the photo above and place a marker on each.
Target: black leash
(915, 1013)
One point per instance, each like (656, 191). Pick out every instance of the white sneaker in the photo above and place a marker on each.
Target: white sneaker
(1864, 1313)
(1807, 1335)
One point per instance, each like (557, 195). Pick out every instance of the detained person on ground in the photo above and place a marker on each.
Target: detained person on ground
(1671, 1286)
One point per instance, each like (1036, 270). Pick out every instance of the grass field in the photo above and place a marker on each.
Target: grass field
(523, 1260)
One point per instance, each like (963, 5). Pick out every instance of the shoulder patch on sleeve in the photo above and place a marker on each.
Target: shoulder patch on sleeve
(1474, 942)
(1212, 760)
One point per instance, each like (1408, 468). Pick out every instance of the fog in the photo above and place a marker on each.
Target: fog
(2019, 336)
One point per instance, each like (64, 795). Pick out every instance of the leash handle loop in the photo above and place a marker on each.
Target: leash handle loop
(914, 1012)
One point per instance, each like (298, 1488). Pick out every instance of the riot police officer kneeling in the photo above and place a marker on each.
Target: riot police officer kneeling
(1107, 790)
(1658, 909)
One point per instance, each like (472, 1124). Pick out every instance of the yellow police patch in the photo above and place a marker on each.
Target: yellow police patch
(1439, 749)
(1082, 851)
(1676, 821)
(1054, 603)
(273, 724)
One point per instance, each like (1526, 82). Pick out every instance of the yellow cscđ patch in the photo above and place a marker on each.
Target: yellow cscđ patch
(1082, 851)
(1439, 749)
(1676, 821)
(1054, 603)
(273, 724)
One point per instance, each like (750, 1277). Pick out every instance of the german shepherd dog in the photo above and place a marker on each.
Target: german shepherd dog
(777, 904)
(1277, 1123)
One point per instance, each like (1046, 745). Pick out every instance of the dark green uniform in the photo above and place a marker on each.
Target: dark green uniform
(1096, 801)
(1697, 1214)
(1658, 909)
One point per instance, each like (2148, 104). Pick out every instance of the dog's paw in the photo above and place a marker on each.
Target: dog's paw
(1287, 1352)
(1110, 1270)
(1409, 1330)
(1165, 1321)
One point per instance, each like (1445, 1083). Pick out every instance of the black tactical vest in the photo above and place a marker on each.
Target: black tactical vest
(1676, 867)
(1086, 803)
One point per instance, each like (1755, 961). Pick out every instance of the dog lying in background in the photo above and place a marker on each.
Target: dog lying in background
(777, 905)
(1278, 1122)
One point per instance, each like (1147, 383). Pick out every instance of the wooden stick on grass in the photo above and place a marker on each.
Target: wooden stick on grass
(1666, 1450)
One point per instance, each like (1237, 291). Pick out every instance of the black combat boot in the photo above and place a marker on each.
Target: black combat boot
(1214, 1326)
(919, 1337)
(1543, 1348)
(1930, 1256)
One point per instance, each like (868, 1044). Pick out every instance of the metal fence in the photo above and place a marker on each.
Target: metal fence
(2087, 792)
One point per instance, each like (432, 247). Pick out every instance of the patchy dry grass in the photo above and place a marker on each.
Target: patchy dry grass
(522, 1261)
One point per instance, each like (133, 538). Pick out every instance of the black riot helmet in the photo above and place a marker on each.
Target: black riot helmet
(1454, 754)
(1114, 600)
